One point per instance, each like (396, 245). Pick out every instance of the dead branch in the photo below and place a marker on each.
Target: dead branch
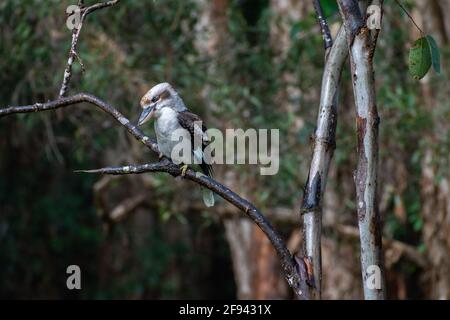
(84, 11)
(325, 30)
(120, 211)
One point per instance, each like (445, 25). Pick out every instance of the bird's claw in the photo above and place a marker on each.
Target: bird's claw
(183, 170)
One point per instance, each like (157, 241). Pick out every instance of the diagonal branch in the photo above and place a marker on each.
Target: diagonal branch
(162, 166)
(293, 271)
(325, 30)
(75, 35)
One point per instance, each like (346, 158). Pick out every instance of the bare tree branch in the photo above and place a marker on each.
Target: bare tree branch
(361, 48)
(75, 35)
(323, 148)
(402, 249)
(294, 272)
(120, 211)
(162, 166)
(326, 34)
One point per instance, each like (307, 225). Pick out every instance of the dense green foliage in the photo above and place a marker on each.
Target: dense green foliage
(48, 215)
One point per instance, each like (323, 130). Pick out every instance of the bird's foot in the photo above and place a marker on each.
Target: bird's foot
(183, 170)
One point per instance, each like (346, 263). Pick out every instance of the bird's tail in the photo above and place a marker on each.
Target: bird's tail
(208, 197)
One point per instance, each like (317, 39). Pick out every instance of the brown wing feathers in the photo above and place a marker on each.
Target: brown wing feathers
(186, 120)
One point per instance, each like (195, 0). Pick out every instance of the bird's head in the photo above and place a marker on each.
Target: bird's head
(160, 96)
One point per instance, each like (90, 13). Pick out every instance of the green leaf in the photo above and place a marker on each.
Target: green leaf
(419, 58)
(330, 7)
(435, 55)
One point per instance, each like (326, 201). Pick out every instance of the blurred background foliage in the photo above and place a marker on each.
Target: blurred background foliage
(145, 236)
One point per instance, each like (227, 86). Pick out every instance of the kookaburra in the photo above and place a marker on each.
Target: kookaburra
(164, 104)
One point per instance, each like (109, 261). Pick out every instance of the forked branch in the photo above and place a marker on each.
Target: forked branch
(84, 12)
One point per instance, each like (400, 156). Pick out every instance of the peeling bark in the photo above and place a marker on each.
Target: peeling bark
(323, 146)
(361, 48)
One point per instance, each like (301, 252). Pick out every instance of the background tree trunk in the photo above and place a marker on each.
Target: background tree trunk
(255, 263)
(433, 17)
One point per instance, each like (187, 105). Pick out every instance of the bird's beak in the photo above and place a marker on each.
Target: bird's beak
(146, 114)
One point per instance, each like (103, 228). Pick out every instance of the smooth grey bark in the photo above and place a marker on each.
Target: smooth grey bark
(323, 146)
(362, 45)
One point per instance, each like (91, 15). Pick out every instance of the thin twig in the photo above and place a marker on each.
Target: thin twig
(75, 35)
(376, 33)
(409, 16)
(324, 29)
(323, 148)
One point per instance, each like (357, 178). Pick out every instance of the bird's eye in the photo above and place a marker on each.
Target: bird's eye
(155, 98)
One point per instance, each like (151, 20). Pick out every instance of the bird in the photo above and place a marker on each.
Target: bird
(164, 104)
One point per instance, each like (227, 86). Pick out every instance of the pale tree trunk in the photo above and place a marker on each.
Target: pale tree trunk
(433, 16)
(323, 146)
(238, 232)
(361, 48)
(256, 267)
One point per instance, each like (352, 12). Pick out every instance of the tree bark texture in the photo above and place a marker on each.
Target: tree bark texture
(361, 49)
(323, 146)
